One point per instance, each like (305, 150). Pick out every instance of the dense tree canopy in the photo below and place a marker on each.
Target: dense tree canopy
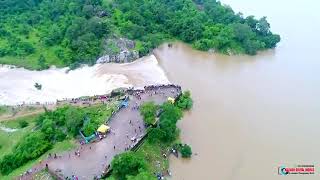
(186, 151)
(39, 33)
(167, 130)
(128, 164)
(148, 111)
(31, 147)
(142, 176)
(185, 101)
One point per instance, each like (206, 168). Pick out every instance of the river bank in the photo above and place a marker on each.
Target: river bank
(252, 114)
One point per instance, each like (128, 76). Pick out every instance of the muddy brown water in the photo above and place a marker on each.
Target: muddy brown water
(252, 113)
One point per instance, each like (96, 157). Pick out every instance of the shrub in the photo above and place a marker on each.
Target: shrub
(155, 135)
(89, 129)
(185, 151)
(148, 112)
(142, 176)
(31, 147)
(23, 124)
(185, 101)
(128, 164)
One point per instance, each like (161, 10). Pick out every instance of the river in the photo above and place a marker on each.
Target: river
(17, 84)
(252, 114)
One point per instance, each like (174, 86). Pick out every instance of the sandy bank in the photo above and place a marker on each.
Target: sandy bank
(17, 84)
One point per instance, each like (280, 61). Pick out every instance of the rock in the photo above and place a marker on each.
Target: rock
(103, 14)
(118, 50)
(104, 59)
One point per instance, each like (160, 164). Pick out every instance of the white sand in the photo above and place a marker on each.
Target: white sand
(17, 84)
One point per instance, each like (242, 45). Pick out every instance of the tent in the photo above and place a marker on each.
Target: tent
(103, 128)
(171, 100)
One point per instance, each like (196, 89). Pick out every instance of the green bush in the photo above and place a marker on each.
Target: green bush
(185, 151)
(148, 111)
(89, 129)
(29, 148)
(185, 102)
(155, 135)
(23, 124)
(143, 176)
(128, 164)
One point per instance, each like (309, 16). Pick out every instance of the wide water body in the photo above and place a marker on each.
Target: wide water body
(253, 113)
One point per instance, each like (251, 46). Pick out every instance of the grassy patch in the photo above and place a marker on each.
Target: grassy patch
(15, 124)
(3, 110)
(100, 112)
(154, 156)
(9, 139)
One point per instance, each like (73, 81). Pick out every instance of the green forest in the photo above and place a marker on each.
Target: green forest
(38, 33)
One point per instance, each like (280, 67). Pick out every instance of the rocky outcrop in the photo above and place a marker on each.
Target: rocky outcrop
(118, 50)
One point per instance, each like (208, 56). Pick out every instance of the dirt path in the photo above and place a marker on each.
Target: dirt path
(20, 115)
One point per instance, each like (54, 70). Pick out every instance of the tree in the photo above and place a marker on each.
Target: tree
(170, 112)
(30, 147)
(242, 32)
(42, 62)
(88, 129)
(48, 128)
(185, 151)
(156, 135)
(271, 40)
(168, 119)
(170, 130)
(88, 11)
(128, 164)
(74, 119)
(142, 176)
(185, 101)
(263, 27)
(252, 22)
(23, 124)
(148, 111)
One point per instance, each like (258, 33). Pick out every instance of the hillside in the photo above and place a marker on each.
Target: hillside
(38, 33)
